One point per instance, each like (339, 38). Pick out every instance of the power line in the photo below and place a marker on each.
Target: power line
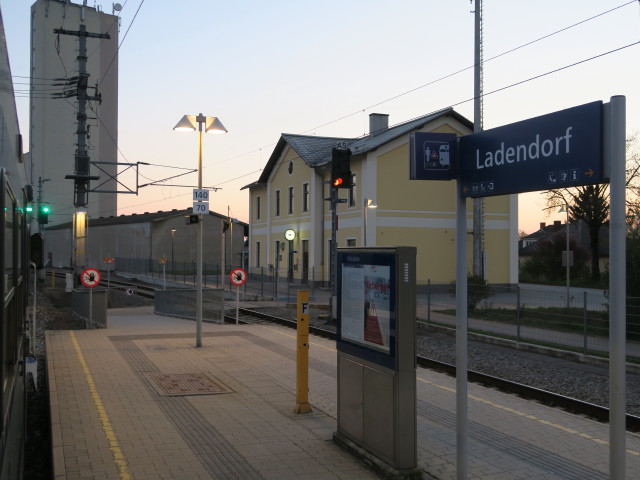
(115, 55)
(516, 83)
(445, 77)
(359, 111)
(556, 70)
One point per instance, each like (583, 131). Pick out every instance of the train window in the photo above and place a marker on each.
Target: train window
(17, 231)
(13, 299)
(9, 209)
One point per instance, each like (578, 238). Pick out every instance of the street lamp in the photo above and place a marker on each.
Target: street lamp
(368, 203)
(173, 262)
(567, 259)
(212, 125)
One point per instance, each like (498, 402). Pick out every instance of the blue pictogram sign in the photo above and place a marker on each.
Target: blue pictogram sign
(432, 156)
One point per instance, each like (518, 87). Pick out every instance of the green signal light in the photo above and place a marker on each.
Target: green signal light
(29, 209)
(43, 213)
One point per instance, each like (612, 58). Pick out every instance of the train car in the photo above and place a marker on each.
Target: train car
(15, 193)
(13, 341)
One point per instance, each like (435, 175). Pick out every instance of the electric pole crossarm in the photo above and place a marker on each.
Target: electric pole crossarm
(114, 177)
(81, 175)
(80, 33)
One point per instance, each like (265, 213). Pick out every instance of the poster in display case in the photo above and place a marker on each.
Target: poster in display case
(367, 305)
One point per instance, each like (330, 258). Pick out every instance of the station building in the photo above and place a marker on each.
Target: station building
(291, 194)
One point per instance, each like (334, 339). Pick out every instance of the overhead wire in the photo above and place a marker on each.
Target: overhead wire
(395, 97)
(445, 77)
(115, 55)
(550, 72)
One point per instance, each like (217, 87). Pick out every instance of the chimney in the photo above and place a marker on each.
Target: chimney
(378, 123)
(557, 224)
(542, 225)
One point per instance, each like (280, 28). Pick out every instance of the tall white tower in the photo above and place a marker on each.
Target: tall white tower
(54, 105)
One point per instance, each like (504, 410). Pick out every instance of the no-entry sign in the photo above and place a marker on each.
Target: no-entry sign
(90, 277)
(238, 277)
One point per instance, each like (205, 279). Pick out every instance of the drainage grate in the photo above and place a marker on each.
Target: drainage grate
(186, 384)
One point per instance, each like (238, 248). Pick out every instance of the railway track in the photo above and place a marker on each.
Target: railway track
(573, 405)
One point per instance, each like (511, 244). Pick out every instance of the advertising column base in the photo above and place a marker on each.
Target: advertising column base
(375, 463)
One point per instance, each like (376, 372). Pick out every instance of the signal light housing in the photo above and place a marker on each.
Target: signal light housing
(43, 213)
(341, 176)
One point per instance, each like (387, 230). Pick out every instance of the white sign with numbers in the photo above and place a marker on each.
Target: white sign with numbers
(201, 208)
(200, 195)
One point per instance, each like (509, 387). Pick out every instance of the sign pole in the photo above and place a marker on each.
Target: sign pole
(237, 277)
(617, 288)
(237, 304)
(90, 277)
(462, 424)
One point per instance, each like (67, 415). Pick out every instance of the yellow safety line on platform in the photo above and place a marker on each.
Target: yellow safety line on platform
(529, 416)
(114, 446)
(490, 403)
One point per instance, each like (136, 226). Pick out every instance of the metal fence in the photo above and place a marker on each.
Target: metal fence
(184, 272)
(90, 305)
(536, 314)
(182, 303)
(268, 282)
(576, 319)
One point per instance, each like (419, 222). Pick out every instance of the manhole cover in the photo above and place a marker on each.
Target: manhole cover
(186, 384)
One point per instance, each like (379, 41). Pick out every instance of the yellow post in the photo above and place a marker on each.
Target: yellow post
(302, 370)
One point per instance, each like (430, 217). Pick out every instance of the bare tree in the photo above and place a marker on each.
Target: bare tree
(590, 203)
(633, 177)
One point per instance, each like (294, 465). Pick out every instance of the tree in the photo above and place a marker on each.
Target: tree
(633, 178)
(546, 264)
(633, 252)
(591, 202)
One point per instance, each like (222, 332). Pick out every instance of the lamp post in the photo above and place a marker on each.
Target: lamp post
(212, 125)
(173, 262)
(368, 203)
(565, 208)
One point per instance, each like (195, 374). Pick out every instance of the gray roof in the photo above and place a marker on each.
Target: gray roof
(578, 231)
(146, 217)
(371, 143)
(316, 151)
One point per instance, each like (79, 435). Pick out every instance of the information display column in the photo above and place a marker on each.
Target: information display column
(376, 343)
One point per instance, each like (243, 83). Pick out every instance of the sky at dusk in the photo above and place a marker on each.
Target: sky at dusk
(320, 68)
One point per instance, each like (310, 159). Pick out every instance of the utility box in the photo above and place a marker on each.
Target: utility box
(376, 343)
(68, 282)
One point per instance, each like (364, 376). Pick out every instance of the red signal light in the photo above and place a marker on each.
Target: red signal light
(337, 181)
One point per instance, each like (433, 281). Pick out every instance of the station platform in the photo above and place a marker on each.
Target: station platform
(138, 400)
